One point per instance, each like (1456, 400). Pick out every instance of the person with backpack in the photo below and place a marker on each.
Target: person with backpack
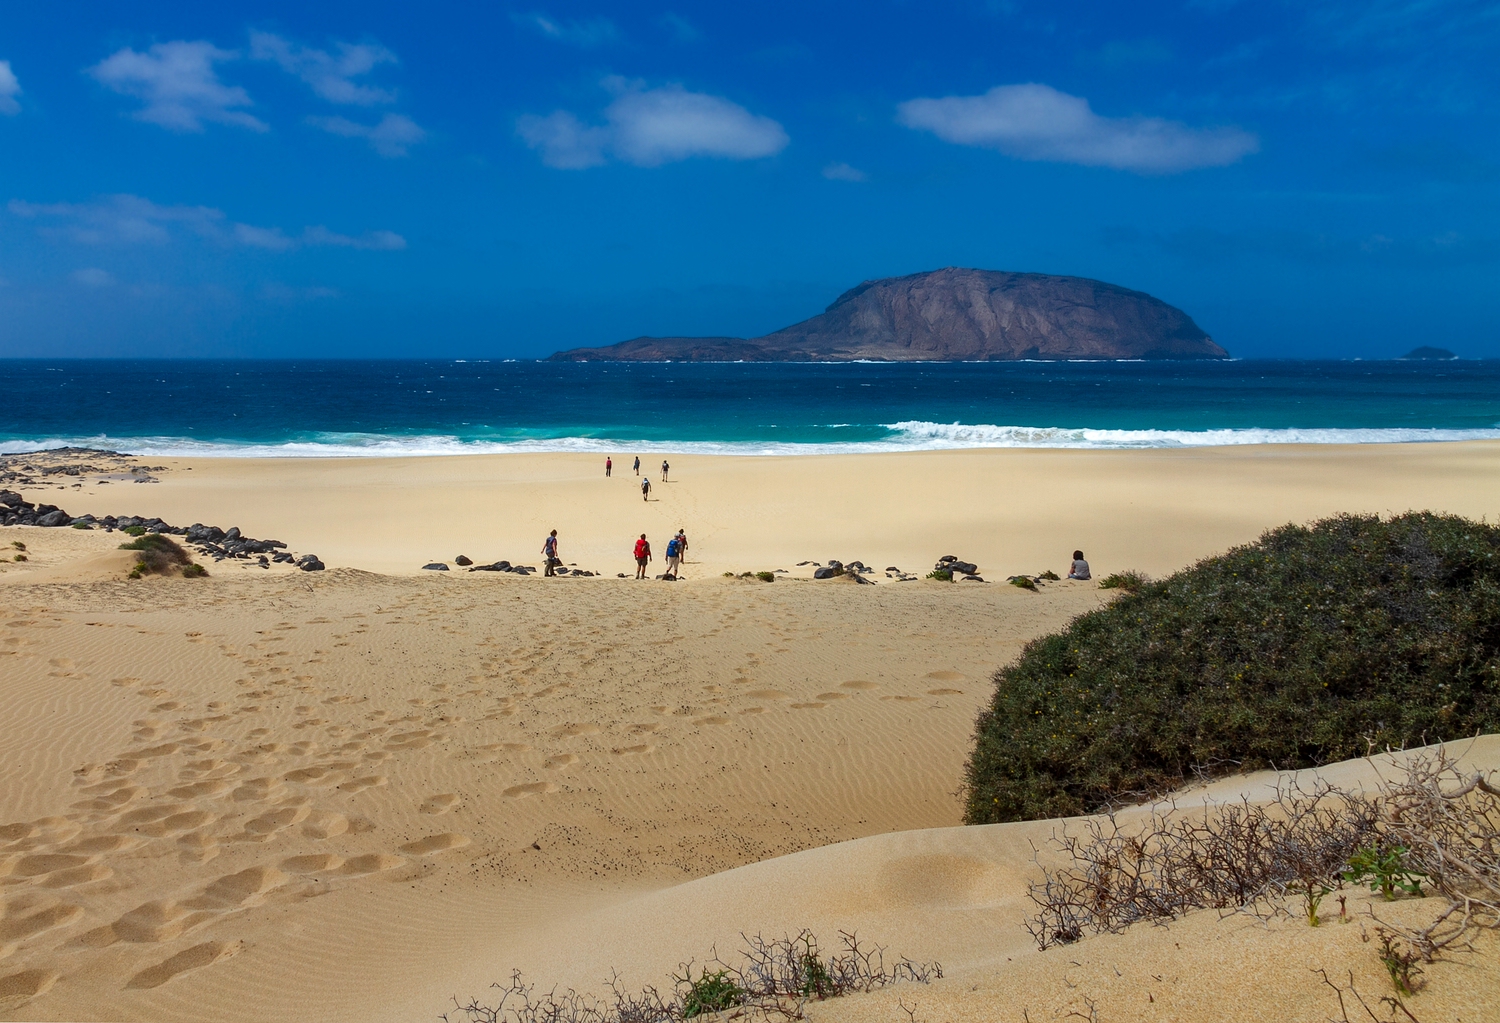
(549, 551)
(645, 488)
(664, 468)
(642, 556)
(674, 555)
(609, 463)
(637, 465)
(682, 546)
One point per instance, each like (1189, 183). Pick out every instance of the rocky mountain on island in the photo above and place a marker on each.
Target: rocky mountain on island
(953, 315)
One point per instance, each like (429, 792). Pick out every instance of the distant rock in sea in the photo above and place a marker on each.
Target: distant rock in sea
(1426, 353)
(953, 315)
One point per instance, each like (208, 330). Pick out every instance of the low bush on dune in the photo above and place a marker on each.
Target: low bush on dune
(1312, 645)
(161, 555)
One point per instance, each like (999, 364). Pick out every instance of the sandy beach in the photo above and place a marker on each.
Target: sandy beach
(356, 794)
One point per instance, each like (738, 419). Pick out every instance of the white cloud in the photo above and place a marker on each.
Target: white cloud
(390, 137)
(131, 220)
(588, 34)
(650, 127)
(9, 89)
(1036, 122)
(120, 219)
(683, 31)
(92, 277)
(178, 84)
(844, 172)
(329, 74)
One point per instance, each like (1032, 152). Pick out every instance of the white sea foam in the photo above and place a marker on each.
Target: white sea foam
(904, 436)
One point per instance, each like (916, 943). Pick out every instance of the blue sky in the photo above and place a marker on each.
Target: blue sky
(1311, 179)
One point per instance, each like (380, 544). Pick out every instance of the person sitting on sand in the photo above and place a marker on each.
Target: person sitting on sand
(637, 465)
(682, 546)
(645, 488)
(664, 468)
(609, 463)
(549, 551)
(674, 556)
(642, 556)
(1080, 569)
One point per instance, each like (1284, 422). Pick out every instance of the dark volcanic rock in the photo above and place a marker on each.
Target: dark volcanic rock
(462, 560)
(436, 566)
(955, 315)
(57, 517)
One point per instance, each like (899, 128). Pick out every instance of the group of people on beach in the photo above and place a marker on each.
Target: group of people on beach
(676, 555)
(609, 470)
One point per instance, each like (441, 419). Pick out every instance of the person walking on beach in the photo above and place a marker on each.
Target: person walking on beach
(549, 551)
(1080, 569)
(682, 546)
(642, 556)
(645, 488)
(637, 465)
(609, 463)
(664, 468)
(674, 555)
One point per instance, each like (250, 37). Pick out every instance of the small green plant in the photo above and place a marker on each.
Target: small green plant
(1130, 582)
(1025, 582)
(942, 575)
(1313, 893)
(135, 530)
(194, 571)
(22, 557)
(1386, 870)
(766, 577)
(1049, 575)
(728, 575)
(1400, 964)
(711, 992)
(18, 545)
(816, 982)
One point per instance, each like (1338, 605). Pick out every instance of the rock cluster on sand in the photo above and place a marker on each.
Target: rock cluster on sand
(219, 544)
(856, 570)
(958, 568)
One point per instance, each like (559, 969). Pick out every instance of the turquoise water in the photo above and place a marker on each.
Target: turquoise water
(442, 407)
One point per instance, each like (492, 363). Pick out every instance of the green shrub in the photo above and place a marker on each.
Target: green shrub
(135, 530)
(1309, 646)
(1386, 869)
(1130, 582)
(766, 577)
(158, 555)
(82, 525)
(194, 571)
(1049, 575)
(728, 575)
(712, 992)
(18, 545)
(22, 557)
(942, 575)
(1025, 582)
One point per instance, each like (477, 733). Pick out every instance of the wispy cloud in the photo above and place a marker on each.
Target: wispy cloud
(9, 90)
(588, 33)
(844, 172)
(650, 127)
(179, 86)
(330, 75)
(682, 30)
(1037, 122)
(132, 220)
(92, 277)
(391, 136)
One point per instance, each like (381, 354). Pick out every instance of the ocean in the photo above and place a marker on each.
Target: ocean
(373, 408)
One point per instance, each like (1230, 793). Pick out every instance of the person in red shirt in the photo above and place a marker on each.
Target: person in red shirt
(642, 556)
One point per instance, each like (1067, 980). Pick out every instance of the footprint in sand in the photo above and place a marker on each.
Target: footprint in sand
(434, 844)
(322, 824)
(534, 788)
(360, 784)
(560, 762)
(944, 676)
(27, 984)
(567, 731)
(74, 877)
(808, 706)
(629, 750)
(945, 692)
(199, 789)
(197, 957)
(858, 683)
(643, 728)
(312, 863)
(753, 710)
(768, 694)
(370, 863)
(712, 719)
(833, 696)
(272, 821)
(440, 803)
(903, 699)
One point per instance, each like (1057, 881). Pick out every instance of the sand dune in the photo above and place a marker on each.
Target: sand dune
(275, 795)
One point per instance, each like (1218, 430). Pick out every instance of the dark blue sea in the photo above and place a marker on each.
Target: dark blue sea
(448, 407)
